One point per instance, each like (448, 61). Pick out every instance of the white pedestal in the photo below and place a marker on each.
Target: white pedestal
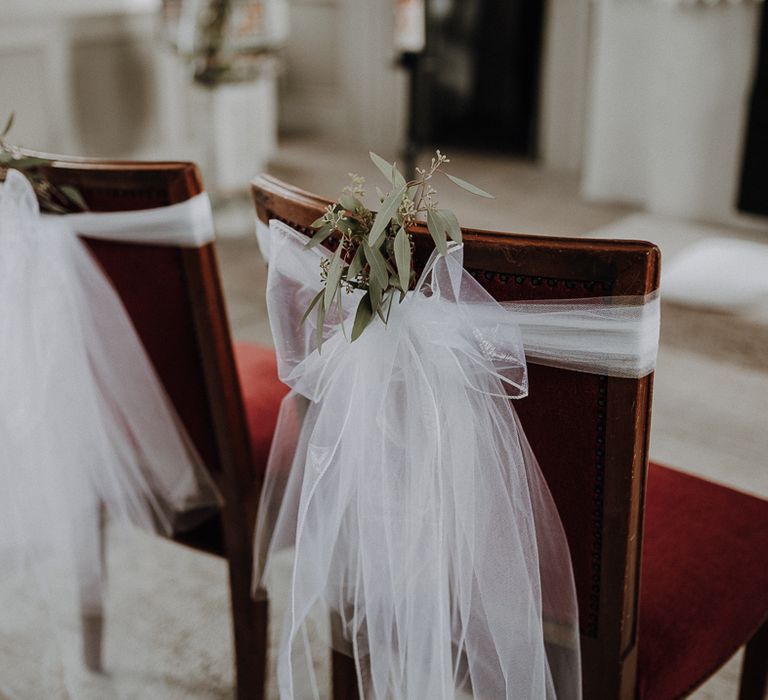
(94, 78)
(236, 126)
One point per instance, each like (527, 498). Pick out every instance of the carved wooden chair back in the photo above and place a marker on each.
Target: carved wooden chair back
(589, 432)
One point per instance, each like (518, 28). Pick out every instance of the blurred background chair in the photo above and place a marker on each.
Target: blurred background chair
(227, 398)
(669, 568)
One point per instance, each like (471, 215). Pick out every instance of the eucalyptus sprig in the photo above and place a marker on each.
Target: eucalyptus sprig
(375, 250)
(53, 199)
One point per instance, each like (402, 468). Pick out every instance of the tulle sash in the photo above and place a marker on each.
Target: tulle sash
(85, 425)
(402, 487)
(188, 224)
(612, 336)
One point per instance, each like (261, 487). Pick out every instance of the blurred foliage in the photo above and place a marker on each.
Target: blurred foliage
(225, 41)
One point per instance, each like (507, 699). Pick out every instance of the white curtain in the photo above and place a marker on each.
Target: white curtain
(670, 84)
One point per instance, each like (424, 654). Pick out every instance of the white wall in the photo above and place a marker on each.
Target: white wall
(669, 107)
(81, 76)
(565, 83)
(311, 90)
(340, 77)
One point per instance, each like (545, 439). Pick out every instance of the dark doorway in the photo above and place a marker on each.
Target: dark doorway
(482, 74)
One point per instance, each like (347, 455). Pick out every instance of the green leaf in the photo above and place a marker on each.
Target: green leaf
(403, 258)
(49, 207)
(380, 310)
(397, 179)
(350, 202)
(320, 236)
(356, 265)
(385, 166)
(389, 306)
(437, 228)
(74, 196)
(378, 264)
(319, 222)
(348, 223)
(28, 162)
(389, 170)
(363, 317)
(320, 324)
(339, 306)
(311, 306)
(469, 187)
(388, 209)
(8, 125)
(454, 228)
(334, 277)
(374, 291)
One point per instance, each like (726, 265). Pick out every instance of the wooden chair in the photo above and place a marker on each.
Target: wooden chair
(667, 566)
(227, 400)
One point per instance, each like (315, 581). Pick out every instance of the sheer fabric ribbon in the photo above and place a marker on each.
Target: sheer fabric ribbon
(85, 424)
(613, 336)
(402, 486)
(188, 224)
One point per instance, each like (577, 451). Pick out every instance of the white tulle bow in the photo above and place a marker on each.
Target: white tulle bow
(188, 224)
(402, 484)
(85, 424)
(614, 336)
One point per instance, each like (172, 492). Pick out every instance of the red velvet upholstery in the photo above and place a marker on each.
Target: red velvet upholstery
(550, 421)
(152, 286)
(262, 393)
(704, 581)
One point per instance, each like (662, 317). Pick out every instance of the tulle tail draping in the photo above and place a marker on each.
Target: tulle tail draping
(413, 508)
(86, 429)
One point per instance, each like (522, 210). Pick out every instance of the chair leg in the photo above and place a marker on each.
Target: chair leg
(91, 572)
(251, 647)
(344, 676)
(250, 616)
(754, 669)
(92, 626)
